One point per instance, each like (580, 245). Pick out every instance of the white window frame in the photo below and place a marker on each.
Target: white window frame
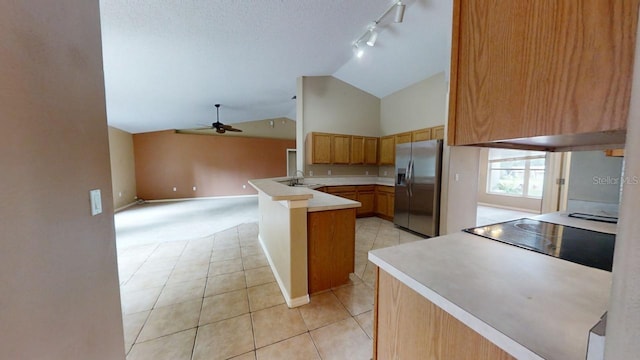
(527, 170)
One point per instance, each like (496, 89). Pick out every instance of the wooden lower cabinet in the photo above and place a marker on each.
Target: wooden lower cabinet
(408, 326)
(385, 197)
(331, 238)
(376, 200)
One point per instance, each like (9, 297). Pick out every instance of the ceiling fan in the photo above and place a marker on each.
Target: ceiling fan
(220, 127)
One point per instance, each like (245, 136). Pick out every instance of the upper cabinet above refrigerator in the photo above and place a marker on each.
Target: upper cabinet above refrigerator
(541, 75)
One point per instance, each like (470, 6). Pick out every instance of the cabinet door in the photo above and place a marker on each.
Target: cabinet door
(382, 203)
(387, 150)
(523, 68)
(437, 133)
(403, 138)
(357, 150)
(371, 151)
(320, 148)
(421, 135)
(341, 149)
(367, 199)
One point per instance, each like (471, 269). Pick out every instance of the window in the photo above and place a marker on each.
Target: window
(516, 173)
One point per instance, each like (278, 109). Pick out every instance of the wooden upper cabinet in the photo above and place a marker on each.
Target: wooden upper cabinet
(318, 148)
(421, 135)
(357, 150)
(370, 150)
(387, 150)
(340, 149)
(522, 68)
(403, 138)
(437, 133)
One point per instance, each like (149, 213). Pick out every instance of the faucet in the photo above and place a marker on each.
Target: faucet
(297, 179)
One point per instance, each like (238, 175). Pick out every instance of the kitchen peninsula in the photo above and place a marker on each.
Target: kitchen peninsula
(483, 299)
(308, 237)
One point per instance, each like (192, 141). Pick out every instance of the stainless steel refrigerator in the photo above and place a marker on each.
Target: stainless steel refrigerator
(417, 186)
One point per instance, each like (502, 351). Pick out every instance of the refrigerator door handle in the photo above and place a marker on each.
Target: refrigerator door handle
(410, 178)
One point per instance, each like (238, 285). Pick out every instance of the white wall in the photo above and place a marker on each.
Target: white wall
(59, 292)
(331, 105)
(623, 321)
(421, 105)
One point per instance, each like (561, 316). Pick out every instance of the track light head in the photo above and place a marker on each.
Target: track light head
(399, 15)
(358, 50)
(373, 36)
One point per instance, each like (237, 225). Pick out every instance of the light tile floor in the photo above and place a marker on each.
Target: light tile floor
(215, 297)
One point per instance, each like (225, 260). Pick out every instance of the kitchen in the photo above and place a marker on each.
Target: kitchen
(587, 141)
(621, 335)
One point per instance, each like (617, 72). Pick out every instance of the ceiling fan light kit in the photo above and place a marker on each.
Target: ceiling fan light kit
(371, 35)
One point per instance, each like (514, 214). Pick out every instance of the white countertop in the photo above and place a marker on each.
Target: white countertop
(317, 201)
(531, 305)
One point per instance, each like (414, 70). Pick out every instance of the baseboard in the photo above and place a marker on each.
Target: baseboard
(126, 206)
(509, 208)
(299, 301)
(203, 198)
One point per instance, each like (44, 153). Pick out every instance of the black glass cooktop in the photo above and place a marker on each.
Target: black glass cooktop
(585, 247)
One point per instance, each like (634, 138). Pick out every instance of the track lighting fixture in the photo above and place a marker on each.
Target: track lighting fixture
(358, 50)
(371, 35)
(399, 12)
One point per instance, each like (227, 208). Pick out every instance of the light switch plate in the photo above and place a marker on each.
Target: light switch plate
(96, 202)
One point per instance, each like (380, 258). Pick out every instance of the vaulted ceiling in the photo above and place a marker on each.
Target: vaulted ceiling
(168, 62)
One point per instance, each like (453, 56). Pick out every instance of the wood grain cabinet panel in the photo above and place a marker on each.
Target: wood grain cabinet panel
(318, 148)
(366, 196)
(357, 150)
(437, 133)
(387, 150)
(370, 150)
(421, 135)
(403, 138)
(436, 335)
(340, 149)
(330, 248)
(384, 203)
(525, 68)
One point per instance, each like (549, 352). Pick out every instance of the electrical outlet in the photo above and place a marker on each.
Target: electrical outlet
(120, 194)
(194, 188)
(457, 177)
(244, 186)
(385, 173)
(310, 172)
(366, 172)
(175, 189)
(329, 172)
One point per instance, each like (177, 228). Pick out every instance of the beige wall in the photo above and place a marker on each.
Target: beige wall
(458, 204)
(326, 104)
(623, 319)
(123, 168)
(283, 234)
(58, 276)
(421, 105)
(217, 165)
(333, 106)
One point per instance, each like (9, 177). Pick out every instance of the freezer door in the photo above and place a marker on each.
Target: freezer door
(424, 216)
(401, 199)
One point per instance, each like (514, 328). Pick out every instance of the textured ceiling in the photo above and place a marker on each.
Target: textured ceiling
(167, 63)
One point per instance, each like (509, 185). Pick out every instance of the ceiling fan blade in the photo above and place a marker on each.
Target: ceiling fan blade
(233, 129)
(221, 130)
